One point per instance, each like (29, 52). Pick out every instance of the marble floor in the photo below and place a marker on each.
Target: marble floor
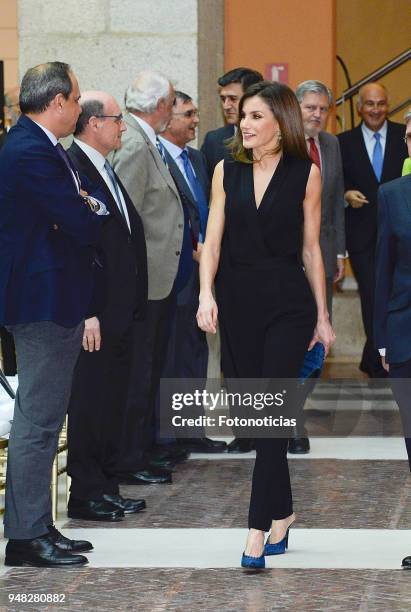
(352, 497)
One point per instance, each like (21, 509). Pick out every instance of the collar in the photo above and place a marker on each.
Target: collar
(369, 134)
(49, 134)
(147, 129)
(174, 150)
(94, 156)
(316, 139)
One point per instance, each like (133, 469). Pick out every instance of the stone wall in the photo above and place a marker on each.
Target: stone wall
(108, 41)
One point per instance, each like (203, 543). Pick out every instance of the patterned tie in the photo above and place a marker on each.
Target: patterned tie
(314, 153)
(60, 150)
(197, 191)
(160, 149)
(113, 180)
(377, 158)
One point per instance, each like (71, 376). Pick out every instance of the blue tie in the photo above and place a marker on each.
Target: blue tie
(377, 158)
(160, 149)
(197, 191)
(113, 180)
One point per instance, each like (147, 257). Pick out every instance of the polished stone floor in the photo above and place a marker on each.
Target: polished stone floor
(352, 497)
(217, 590)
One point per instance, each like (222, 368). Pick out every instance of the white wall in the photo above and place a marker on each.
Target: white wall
(108, 41)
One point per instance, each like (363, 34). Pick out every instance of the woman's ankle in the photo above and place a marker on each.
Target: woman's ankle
(255, 543)
(279, 528)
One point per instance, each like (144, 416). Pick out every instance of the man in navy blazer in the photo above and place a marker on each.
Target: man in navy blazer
(392, 313)
(372, 153)
(232, 86)
(187, 355)
(47, 261)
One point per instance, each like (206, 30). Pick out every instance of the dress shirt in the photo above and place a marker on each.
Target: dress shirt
(175, 152)
(148, 130)
(370, 141)
(98, 160)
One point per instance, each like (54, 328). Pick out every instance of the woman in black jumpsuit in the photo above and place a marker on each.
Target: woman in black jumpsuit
(265, 217)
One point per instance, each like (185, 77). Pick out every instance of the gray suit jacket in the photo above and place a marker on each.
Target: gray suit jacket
(155, 196)
(332, 234)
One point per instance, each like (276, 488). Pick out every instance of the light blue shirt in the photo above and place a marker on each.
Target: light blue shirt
(175, 152)
(370, 141)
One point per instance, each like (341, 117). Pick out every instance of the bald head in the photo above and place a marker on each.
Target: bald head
(100, 124)
(373, 105)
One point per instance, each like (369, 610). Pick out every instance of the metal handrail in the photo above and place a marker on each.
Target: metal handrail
(375, 75)
(399, 107)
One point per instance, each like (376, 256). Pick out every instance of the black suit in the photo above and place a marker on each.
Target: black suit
(214, 147)
(97, 412)
(361, 223)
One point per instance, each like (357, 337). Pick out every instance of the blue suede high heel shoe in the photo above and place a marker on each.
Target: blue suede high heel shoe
(278, 548)
(253, 562)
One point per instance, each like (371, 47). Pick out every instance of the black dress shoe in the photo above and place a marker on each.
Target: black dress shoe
(406, 563)
(165, 463)
(128, 506)
(298, 446)
(64, 543)
(40, 552)
(93, 510)
(147, 476)
(241, 445)
(203, 445)
(170, 452)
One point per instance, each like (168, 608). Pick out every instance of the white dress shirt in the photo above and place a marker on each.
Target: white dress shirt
(148, 130)
(370, 141)
(98, 160)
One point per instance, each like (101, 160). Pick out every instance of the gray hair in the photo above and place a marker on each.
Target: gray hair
(313, 87)
(407, 116)
(146, 91)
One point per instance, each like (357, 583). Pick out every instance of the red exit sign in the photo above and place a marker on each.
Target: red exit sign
(277, 72)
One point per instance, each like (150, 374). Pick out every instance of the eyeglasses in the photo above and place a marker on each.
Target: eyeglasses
(117, 118)
(190, 113)
(407, 138)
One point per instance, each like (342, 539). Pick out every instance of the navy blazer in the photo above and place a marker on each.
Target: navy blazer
(214, 147)
(185, 194)
(199, 163)
(47, 233)
(361, 223)
(392, 312)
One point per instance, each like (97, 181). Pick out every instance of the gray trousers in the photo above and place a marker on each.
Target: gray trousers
(46, 356)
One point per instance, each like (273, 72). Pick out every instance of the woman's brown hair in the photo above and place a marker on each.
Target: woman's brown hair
(282, 102)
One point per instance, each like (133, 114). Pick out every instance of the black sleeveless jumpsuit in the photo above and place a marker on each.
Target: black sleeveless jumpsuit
(267, 312)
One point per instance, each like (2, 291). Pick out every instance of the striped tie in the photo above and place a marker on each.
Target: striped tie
(160, 149)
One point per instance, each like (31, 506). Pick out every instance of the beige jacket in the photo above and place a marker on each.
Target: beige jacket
(155, 196)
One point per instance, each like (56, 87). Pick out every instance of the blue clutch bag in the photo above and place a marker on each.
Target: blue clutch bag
(313, 361)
